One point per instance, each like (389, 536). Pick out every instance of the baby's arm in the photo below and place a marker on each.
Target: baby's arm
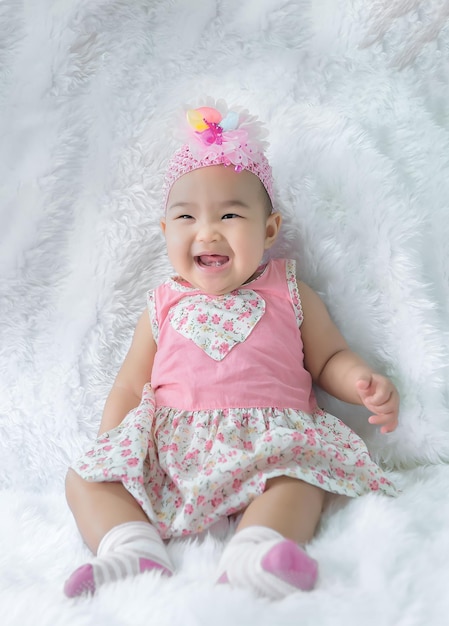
(338, 370)
(126, 391)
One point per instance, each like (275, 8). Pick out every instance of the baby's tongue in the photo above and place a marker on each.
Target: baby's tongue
(213, 259)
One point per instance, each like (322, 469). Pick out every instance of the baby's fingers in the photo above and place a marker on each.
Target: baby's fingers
(382, 408)
(374, 391)
(365, 388)
(387, 421)
(380, 398)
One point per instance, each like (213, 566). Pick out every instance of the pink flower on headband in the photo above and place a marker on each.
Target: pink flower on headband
(213, 137)
(237, 137)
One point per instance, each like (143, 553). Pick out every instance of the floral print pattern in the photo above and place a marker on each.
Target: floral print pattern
(188, 470)
(292, 284)
(217, 323)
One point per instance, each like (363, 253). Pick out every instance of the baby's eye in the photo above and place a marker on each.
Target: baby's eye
(184, 217)
(229, 216)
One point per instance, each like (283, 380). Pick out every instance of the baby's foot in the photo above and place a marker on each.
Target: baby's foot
(88, 577)
(126, 550)
(290, 563)
(271, 566)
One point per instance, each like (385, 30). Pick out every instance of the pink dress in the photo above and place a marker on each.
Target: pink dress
(229, 406)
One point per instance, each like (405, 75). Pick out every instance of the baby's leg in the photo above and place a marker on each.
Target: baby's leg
(264, 555)
(114, 527)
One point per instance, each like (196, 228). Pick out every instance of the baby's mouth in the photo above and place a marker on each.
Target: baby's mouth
(211, 260)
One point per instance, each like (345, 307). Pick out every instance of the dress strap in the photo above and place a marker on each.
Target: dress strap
(290, 270)
(151, 305)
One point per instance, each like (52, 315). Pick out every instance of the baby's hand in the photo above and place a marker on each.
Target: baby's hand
(380, 396)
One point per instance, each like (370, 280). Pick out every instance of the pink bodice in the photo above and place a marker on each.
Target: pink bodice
(243, 349)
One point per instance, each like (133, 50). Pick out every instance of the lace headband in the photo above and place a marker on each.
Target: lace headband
(216, 136)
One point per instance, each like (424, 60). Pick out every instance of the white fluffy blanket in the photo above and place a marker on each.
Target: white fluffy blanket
(355, 95)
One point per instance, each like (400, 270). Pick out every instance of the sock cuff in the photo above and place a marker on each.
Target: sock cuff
(256, 534)
(127, 533)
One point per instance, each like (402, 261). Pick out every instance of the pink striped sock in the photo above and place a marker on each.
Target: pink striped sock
(261, 559)
(126, 550)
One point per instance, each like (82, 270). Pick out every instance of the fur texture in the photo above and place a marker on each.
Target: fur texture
(355, 95)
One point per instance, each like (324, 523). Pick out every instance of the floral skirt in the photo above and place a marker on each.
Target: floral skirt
(187, 470)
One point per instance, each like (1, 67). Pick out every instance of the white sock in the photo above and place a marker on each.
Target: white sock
(128, 543)
(261, 559)
(126, 550)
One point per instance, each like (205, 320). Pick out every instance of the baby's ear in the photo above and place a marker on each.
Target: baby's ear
(272, 228)
(163, 224)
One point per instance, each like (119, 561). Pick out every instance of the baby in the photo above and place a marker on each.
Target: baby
(226, 354)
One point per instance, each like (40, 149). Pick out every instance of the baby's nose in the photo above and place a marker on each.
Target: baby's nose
(208, 231)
